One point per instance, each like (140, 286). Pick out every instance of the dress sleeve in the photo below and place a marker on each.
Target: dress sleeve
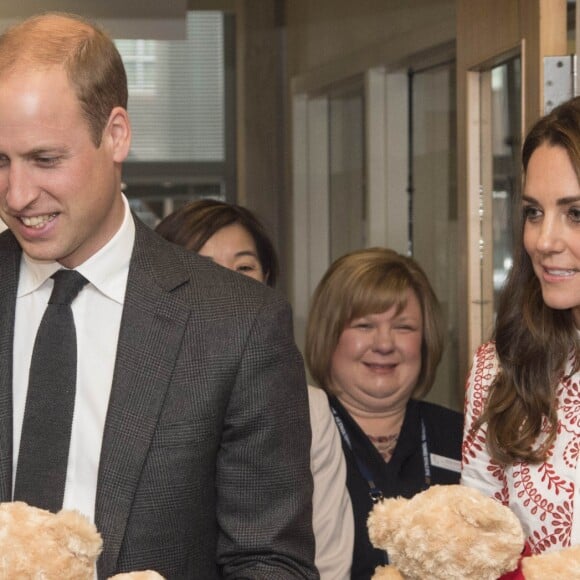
(478, 469)
(332, 517)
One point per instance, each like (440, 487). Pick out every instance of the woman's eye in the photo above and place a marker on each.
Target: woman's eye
(245, 268)
(531, 212)
(406, 327)
(574, 213)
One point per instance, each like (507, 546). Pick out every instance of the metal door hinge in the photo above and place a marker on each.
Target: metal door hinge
(559, 80)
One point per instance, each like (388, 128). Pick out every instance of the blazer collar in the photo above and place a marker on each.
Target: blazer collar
(10, 253)
(152, 327)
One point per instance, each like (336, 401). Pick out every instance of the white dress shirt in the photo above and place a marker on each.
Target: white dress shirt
(97, 312)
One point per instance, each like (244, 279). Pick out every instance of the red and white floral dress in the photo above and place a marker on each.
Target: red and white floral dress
(541, 495)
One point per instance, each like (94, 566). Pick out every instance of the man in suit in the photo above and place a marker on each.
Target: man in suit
(190, 439)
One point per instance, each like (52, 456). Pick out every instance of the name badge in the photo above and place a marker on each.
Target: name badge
(445, 463)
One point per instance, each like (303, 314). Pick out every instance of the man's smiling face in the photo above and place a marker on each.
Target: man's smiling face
(59, 193)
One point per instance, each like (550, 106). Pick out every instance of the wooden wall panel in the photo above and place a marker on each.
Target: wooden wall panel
(487, 32)
(329, 40)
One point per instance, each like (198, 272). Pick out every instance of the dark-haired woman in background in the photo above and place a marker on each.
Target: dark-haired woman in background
(203, 225)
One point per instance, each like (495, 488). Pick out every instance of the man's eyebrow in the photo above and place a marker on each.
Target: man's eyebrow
(44, 151)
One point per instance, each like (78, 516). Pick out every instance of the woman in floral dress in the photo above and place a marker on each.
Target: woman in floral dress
(522, 424)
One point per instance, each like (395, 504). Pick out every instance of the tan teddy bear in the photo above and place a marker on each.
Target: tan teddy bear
(37, 544)
(455, 532)
(444, 533)
(562, 565)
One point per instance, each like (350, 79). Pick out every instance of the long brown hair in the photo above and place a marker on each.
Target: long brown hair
(533, 341)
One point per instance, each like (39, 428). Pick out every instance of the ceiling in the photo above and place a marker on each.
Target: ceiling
(160, 19)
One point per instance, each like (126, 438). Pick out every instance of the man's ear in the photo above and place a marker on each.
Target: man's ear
(118, 133)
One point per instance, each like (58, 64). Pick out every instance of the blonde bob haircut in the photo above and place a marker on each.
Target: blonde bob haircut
(364, 282)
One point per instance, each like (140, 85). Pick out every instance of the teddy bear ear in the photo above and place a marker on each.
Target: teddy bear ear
(383, 520)
(486, 514)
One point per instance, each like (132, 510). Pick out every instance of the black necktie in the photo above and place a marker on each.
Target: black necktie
(46, 428)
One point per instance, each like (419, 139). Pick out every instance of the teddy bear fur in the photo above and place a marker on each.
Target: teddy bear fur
(561, 565)
(446, 532)
(36, 544)
(387, 573)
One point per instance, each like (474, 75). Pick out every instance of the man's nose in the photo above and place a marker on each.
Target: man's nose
(19, 191)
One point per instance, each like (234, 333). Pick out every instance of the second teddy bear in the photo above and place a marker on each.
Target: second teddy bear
(446, 532)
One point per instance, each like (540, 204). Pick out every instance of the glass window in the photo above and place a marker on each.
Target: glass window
(346, 169)
(181, 104)
(506, 144)
(433, 201)
(176, 93)
(139, 57)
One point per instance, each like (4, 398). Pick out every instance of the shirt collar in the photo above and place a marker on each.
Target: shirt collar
(107, 270)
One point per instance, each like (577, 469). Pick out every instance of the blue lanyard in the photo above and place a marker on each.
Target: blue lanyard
(425, 451)
(374, 492)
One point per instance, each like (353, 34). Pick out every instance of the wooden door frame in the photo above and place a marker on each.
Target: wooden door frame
(488, 32)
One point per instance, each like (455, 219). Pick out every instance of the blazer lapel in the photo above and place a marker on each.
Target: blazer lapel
(151, 332)
(9, 270)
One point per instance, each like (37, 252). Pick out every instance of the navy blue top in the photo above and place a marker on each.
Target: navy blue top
(404, 474)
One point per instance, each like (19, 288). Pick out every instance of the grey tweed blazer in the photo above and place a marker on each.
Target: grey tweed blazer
(204, 469)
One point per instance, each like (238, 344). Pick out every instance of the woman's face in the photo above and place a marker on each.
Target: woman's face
(377, 360)
(233, 247)
(551, 206)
